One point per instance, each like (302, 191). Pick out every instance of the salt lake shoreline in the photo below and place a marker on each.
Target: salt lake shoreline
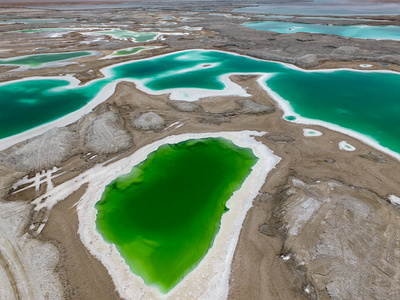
(217, 261)
(312, 159)
(231, 89)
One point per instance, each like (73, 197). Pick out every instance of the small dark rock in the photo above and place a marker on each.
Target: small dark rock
(265, 229)
(373, 156)
(279, 138)
(330, 160)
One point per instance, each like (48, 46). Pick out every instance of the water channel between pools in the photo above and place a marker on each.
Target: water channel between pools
(367, 102)
(164, 215)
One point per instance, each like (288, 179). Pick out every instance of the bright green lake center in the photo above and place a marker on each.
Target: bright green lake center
(164, 215)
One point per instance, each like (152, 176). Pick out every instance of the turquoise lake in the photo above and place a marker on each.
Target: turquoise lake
(367, 102)
(354, 31)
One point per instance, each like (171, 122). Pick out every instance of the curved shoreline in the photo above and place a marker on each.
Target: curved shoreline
(192, 94)
(210, 279)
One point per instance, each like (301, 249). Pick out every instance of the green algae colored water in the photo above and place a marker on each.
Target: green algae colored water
(126, 34)
(367, 102)
(37, 60)
(128, 51)
(164, 215)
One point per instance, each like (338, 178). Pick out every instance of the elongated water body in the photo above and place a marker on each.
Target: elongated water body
(354, 31)
(356, 101)
(38, 60)
(126, 35)
(164, 215)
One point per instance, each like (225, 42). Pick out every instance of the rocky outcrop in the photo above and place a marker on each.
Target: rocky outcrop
(149, 121)
(186, 106)
(251, 107)
(105, 134)
(44, 151)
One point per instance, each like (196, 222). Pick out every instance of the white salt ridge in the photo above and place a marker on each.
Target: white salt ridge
(210, 279)
(394, 199)
(311, 132)
(176, 124)
(343, 145)
(286, 257)
(40, 178)
(112, 55)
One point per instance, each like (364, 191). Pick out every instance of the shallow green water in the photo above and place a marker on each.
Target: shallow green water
(367, 102)
(164, 215)
(126, 34)
(128, 51)
(37, 60)
(354, 31)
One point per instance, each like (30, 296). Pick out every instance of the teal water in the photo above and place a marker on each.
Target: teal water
(322, 8)
(37, 60)
(367, 102)
(354, 31)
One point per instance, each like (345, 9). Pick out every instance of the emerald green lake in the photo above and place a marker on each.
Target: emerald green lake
(164, 215)
(367, 102)
(38, 60)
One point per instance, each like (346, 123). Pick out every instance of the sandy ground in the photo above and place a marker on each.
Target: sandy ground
(294, 244)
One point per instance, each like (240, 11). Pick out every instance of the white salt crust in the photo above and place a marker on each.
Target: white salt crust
(193, 95)
(210, 279)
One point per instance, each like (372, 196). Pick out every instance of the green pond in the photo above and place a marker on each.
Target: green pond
(126, 34)
(163, 215)
(38, 60)
(131, 51)
(367, 102)
(128, 51)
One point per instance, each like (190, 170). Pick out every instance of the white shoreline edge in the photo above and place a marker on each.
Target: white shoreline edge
(176, 94)
(210, 279)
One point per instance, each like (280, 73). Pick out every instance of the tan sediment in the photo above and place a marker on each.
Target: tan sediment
(258, 270)
(304, 157)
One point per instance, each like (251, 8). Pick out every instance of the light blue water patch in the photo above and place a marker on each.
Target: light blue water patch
(354, 31)
(329, 8)
(338, 19)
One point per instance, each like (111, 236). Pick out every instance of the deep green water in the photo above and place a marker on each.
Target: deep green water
(164, 215)
(37, 60)
(367, 102)
(354, 31)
